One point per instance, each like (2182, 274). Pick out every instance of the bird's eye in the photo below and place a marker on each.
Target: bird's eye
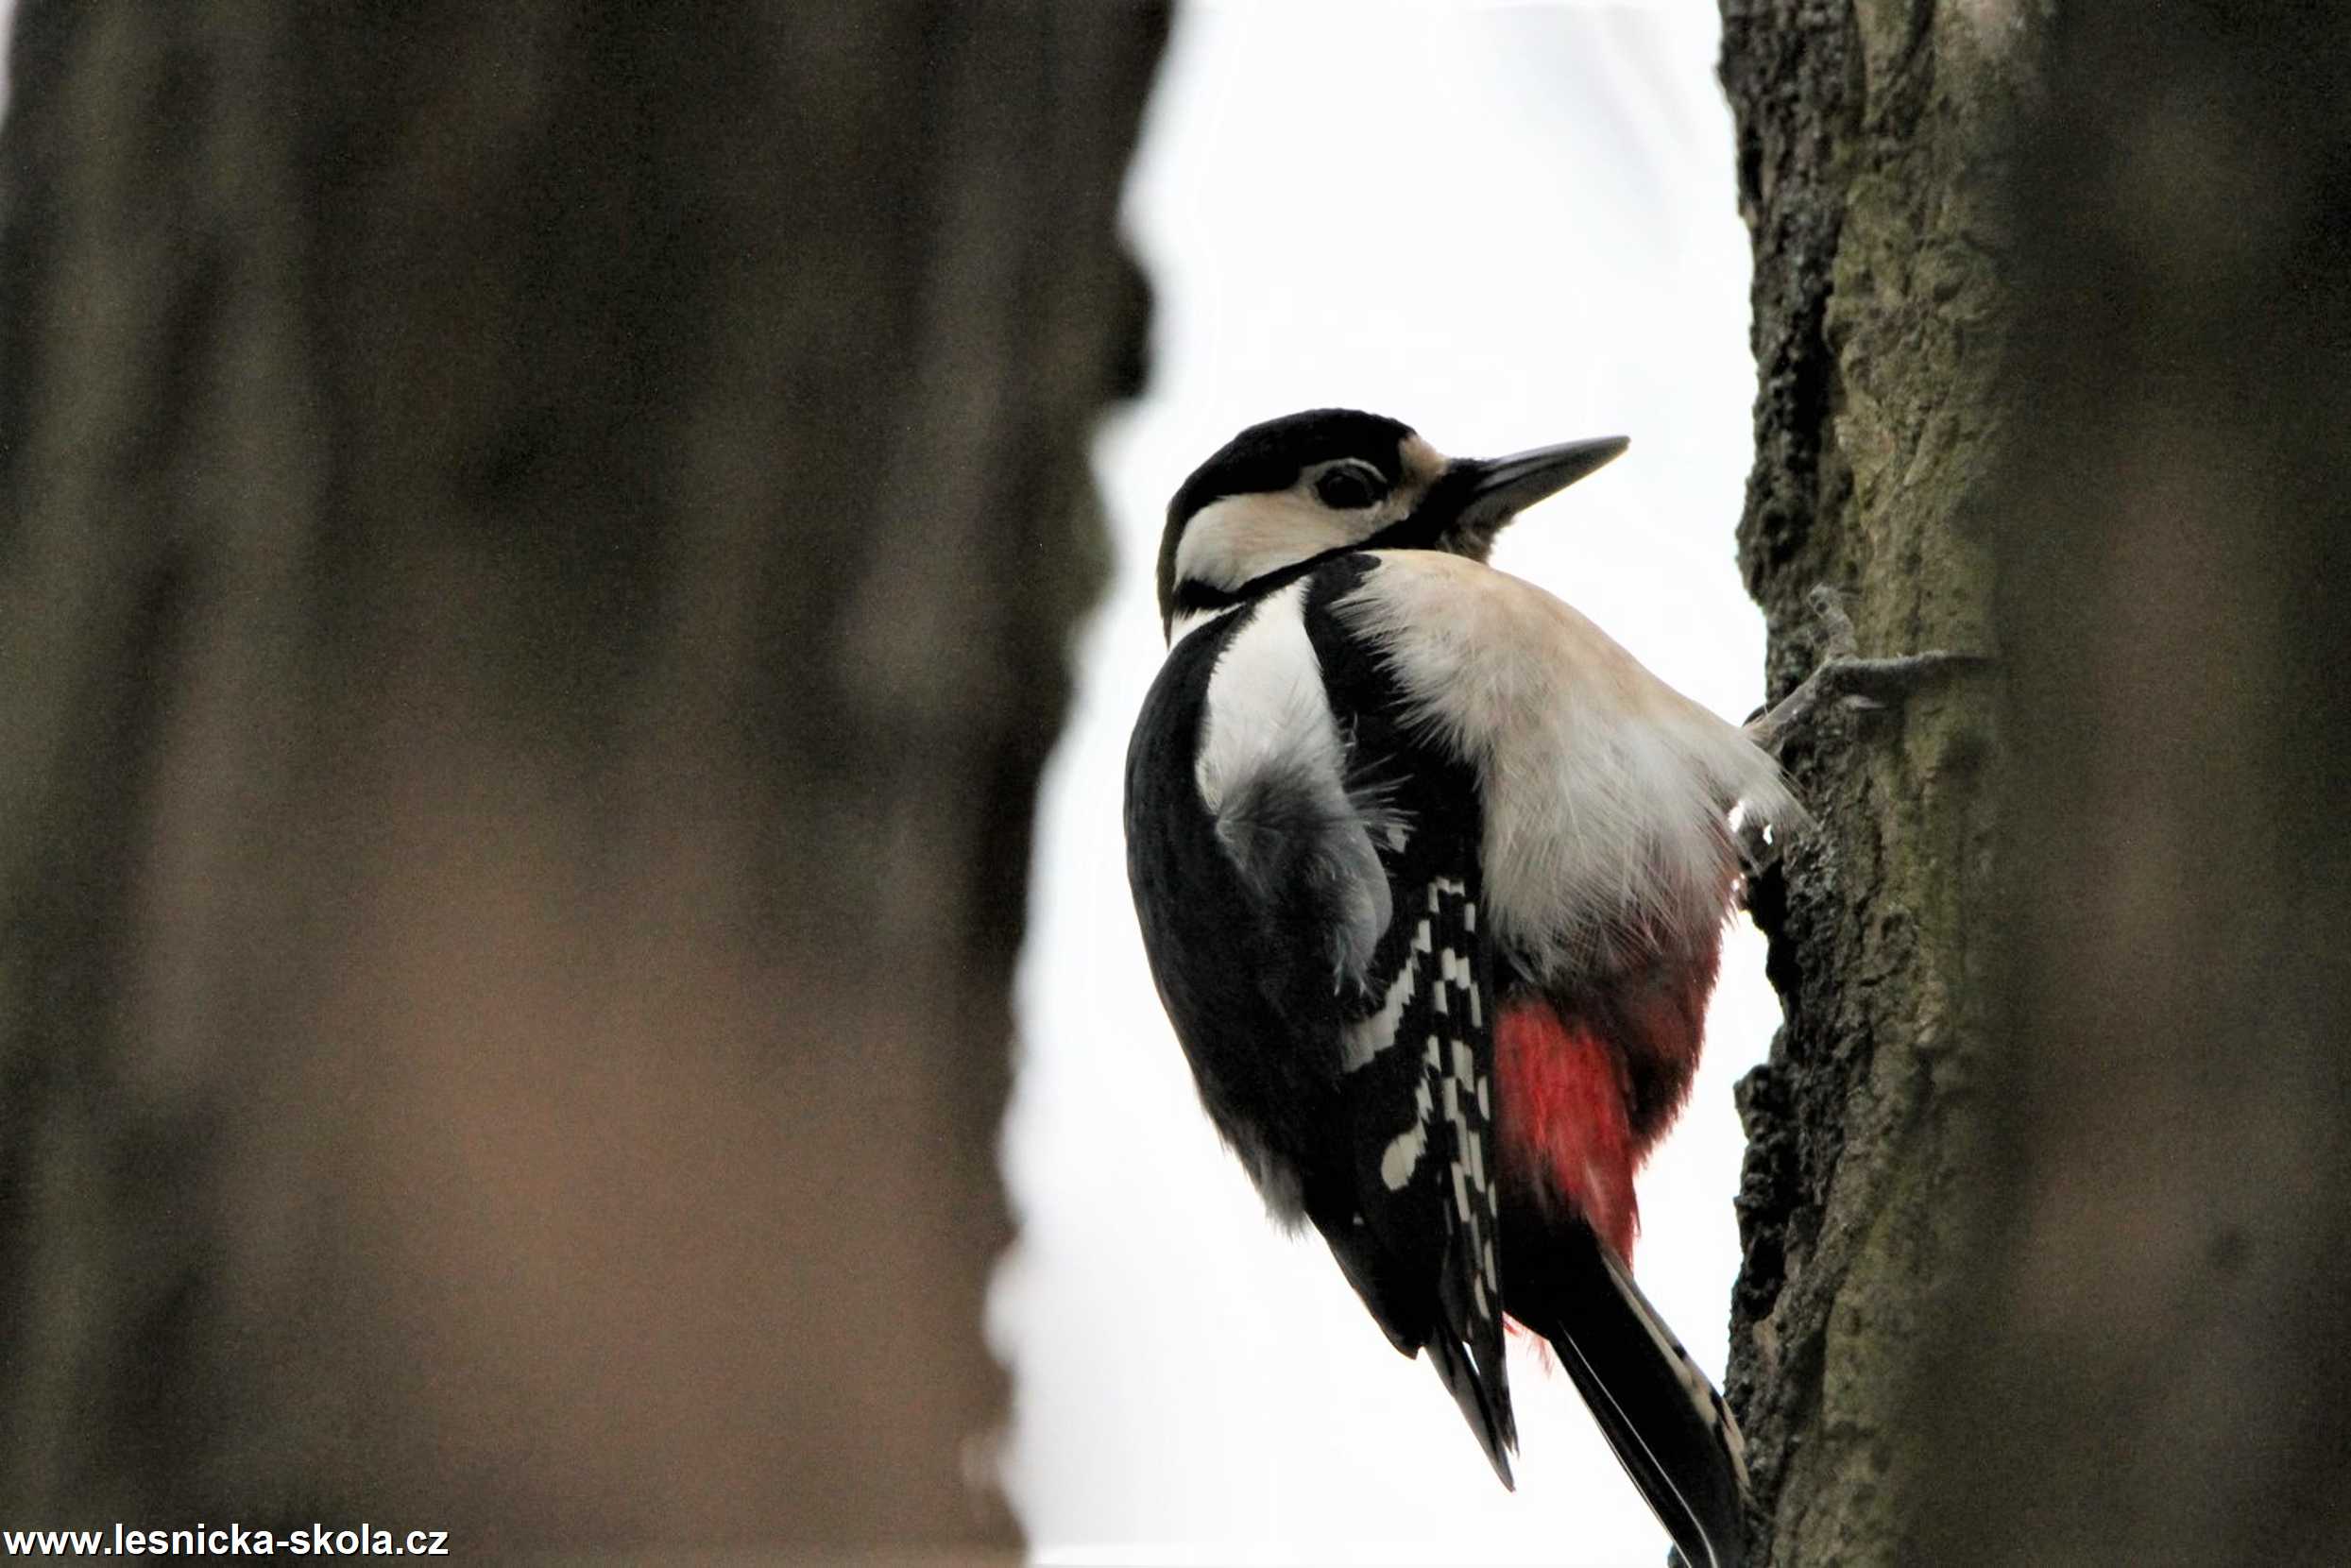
(1348, 486)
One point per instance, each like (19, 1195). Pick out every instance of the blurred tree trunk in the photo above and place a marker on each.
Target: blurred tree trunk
(1868, 139)
(2048, 1202)
(2153, 1365)
(537, 548)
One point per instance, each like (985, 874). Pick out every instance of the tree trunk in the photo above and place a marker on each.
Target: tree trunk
(539, 542)
(2154, 1366)
(1868, 137)
(2046, 1208)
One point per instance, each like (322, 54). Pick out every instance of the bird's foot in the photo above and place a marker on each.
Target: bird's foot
(1843, 679)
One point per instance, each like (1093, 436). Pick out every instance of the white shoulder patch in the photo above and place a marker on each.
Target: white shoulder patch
(1265, 702)
(1268, 717)
(1608, 793)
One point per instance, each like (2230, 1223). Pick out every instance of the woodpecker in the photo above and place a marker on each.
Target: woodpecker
(1433, 876)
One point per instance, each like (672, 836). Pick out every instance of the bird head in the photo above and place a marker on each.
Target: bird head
(1295, 489)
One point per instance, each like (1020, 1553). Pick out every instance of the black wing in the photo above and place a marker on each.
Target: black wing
(1247, 981)
(1417, 1225)
(1353, 1079)
(1422, 1243)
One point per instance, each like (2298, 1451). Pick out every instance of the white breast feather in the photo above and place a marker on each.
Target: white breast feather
(1608, 793)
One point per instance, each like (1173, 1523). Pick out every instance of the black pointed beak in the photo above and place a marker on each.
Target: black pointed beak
(1501, 487)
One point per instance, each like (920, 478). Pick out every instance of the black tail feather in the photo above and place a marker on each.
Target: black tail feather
(1665, 1419)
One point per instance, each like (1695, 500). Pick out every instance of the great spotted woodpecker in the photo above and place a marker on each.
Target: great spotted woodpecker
(1433, 876)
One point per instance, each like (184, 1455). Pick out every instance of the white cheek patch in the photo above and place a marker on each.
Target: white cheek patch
(1232, 542)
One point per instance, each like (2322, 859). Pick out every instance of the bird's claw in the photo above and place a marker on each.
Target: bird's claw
(1846, 679)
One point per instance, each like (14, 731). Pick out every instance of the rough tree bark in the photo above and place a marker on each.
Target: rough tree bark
(2046, 1208)
(536, 542)
(1868, 139)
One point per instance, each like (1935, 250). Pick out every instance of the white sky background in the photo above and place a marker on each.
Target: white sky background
(1506, 227)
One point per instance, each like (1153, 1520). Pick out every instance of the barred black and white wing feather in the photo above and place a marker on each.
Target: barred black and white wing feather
(1419, 1097)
